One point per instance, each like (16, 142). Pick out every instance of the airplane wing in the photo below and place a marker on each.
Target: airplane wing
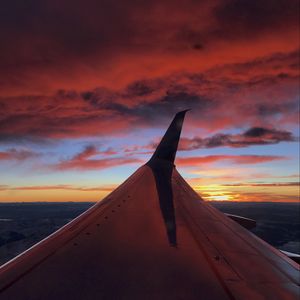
(151, 238)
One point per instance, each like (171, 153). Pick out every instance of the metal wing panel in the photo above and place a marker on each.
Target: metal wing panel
(260, 269)
(29, 260)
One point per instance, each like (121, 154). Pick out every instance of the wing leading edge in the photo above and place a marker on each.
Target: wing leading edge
(151, 238)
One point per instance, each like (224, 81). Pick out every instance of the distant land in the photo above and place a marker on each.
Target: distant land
(24, 224)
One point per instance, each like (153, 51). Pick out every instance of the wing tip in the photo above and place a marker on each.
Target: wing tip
(182, 112)
(167, 147)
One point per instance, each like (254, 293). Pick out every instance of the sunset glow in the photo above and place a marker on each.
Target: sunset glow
(86, 94)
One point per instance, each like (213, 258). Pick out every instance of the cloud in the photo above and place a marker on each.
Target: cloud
(94, 164)
(19, 139)
(80, 50)
(104, 188)
(235, 159)
(19, 155)
(86, 153)
(248, 18)
(259, 92)
(252, 136)
(263, 197)
(3, 187)
(120, 70)
(272, 184)
(87, 160)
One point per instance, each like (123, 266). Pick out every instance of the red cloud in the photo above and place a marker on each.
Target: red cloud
(256, 93)
(95, 164)
(117, 42)
(84, 161)
(235, 65)
(78, 117)
(86, 153)
(236, 159)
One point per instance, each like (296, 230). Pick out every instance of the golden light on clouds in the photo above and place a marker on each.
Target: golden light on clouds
(256, 192)
(214, 192)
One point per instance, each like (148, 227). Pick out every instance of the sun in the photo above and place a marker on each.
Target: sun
(221, 198)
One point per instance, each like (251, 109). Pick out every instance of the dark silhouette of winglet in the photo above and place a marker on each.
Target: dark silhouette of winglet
(162, 165)
(167, 148)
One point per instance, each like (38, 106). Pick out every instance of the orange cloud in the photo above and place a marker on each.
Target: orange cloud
(273, 184)
(106, 188)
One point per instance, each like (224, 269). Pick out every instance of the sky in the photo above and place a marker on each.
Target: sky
(87, 89)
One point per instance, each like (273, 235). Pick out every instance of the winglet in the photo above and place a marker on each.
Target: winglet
(162, 165)
(167, 147)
